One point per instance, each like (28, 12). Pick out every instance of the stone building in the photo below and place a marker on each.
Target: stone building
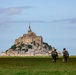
(29, 38)
(20, 47)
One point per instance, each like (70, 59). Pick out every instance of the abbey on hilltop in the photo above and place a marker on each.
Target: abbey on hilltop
(29, 45)
(29, 38)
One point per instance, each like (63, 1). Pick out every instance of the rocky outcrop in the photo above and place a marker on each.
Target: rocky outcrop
(29, 52)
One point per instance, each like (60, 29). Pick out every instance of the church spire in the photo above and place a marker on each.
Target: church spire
(29, 30)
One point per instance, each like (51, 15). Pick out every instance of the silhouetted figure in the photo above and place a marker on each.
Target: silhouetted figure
(54, 55)
(65, 55)
(57, 54)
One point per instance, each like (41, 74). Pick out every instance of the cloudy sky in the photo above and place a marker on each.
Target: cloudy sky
(55, 20)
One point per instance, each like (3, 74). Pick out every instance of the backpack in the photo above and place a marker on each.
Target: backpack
(54, 53)
(66, 54)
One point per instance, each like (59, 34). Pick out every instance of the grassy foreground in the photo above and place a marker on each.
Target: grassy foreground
(36, 66)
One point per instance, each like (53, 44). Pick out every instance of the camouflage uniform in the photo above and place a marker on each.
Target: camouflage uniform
(54, 54)
(64, 55)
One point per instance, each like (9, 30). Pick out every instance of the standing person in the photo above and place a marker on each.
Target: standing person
(54, 54)
(65, 55)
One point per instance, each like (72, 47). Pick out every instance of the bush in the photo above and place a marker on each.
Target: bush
(30, 46)
(13, 47)
(22, 45)
(49, 46)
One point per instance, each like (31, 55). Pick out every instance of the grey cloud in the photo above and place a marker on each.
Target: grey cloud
(69, 20)
(4, 21)
(13, 10)
(31, 21)
(7, 22)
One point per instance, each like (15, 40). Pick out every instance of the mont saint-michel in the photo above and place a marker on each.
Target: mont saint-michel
(29, 45)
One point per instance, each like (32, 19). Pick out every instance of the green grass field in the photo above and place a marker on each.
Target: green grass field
(36, 66)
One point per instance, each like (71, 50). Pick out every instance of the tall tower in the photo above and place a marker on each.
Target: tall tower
(29, 29)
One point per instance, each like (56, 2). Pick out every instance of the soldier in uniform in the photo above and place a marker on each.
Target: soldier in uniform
(65, 55)
(54, 55)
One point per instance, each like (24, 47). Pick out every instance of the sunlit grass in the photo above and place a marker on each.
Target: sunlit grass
(36, 66)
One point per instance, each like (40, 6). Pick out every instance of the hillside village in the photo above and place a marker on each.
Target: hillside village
(29, 45)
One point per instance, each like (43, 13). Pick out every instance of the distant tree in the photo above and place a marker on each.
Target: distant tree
(49, 46)
(30, 46)
(6, 51)
(22, 44)
(45, 47)
(13, 47)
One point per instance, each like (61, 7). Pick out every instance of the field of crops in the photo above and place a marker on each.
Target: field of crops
(36, 66)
